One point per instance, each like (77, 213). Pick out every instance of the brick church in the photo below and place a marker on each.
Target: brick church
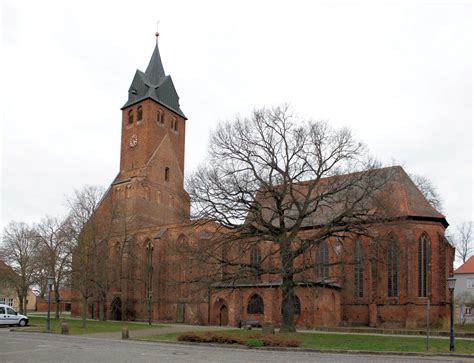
(144, 217)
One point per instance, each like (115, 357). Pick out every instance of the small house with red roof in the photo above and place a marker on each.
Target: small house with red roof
(464, 291)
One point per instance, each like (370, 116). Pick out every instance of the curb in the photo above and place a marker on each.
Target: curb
(312, 350)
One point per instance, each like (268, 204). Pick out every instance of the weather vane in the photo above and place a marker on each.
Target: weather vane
(157, 32)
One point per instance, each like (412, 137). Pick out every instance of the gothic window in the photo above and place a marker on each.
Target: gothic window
(159, 117)
(255, 305)
(358, 269)
(167, 174)
(392, 268)
(130, 117)
(139, 113)
(422, 265)
(255, 258)
(322, 261)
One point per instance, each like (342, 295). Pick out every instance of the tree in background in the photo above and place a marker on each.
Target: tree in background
(463, 241)
(268, 176)
(55, 243)
(84, 230)
(20, 251)
(428, 189)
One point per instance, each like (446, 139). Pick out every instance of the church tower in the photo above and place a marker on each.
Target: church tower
(151, 179)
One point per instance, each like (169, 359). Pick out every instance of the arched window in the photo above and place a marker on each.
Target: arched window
(159, 117)
(322, 261)
(130, 116)
(392, 267)
(158, 196)
(422, 265)
(139, 113)
(255, 258)
(167, 174)
(358, 269)
(174, 124)
(255, 304)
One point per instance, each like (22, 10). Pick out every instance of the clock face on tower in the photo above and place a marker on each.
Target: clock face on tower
(133, 140)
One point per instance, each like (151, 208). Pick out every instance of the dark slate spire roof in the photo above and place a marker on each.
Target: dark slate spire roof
(154, 84)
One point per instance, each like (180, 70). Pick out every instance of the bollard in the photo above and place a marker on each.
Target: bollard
(125, 334)
(64, 329)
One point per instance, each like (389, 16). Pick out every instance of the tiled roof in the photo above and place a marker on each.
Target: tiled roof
(400, 196)
(467, 267)
(154, 84)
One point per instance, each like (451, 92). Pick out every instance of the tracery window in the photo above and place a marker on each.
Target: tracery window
(392, 268)
(255, 305)
(422, 265)
(358, 269)
(322, 261)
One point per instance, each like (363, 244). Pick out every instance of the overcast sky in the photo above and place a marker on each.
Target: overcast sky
(398, 74)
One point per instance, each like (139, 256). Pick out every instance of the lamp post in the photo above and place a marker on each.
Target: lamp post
(149, 250)
(451, 284)
(50, 284)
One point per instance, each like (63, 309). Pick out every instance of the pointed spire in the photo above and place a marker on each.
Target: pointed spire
(155, 71)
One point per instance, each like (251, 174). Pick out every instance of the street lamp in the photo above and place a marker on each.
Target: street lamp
(451, 284)
(50, 285)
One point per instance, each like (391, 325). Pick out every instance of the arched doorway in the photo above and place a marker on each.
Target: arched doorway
(116, 309)
(223, 316)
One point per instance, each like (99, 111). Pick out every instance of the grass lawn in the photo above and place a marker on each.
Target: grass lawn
(353, 342)
(93, 326)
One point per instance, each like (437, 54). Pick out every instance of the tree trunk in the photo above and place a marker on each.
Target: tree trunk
(287, 288)
(101, 310)
(84, 311)
(287, 305)
(21, 304)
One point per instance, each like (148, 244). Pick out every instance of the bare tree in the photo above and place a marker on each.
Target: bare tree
(463, 241)
(428, 190)
(55, 238)
(19, 251)
(82, 206)
(268, 177)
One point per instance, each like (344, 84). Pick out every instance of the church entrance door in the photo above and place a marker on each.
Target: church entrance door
(116, 309)
(180, 313)
(223, 316)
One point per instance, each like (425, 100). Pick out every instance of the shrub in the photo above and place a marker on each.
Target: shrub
(254, 343)
(252, 340)
(276, 341)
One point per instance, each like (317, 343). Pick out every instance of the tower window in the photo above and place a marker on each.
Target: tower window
(167, 174)
(159, 117)
(174, 124)
(139, 113)
(130, 116)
